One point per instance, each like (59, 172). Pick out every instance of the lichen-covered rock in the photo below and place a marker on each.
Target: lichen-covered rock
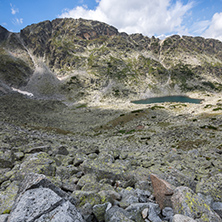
(109, 196)
(3, 173)
(7, 198)
(186, 202)
(116, 214)
(65, 172)
(40, 163)
(211, 186)
(106, 169)
(6, 159)
(135, 212)
(83, 197)
(100, 210)
(88, 179)
(128, 200)
(79, 159)
(62, 150)
(129, 196)
(97, 187)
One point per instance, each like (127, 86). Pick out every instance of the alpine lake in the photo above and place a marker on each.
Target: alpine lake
(163, 99)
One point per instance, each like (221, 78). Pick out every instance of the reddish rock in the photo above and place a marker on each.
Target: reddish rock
(140, 127)
(163, 191)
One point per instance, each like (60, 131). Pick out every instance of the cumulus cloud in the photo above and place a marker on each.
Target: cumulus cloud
(14, 10)
(214, 29)
(153, 17)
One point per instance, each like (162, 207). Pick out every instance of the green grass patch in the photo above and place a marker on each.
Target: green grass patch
(208, 127)
(157, 107)
(190, 144)
(82, 106)
(126, 131)
(217, 109)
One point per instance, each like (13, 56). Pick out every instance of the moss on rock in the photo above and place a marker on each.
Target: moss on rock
(7, 198)
(211, 186)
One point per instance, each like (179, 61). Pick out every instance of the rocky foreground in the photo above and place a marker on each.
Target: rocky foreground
(159, 162)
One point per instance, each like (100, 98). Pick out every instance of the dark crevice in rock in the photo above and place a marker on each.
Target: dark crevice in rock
(53, 207)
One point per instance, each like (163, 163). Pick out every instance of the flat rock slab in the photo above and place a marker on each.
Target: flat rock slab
(39, 200)
(33, 203)
(65, 212)
(182, 218)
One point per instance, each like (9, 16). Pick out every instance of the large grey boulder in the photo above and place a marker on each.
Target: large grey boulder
(186, 202)
(39, 200)
(182, 218)
(217, 207)
(3, 217)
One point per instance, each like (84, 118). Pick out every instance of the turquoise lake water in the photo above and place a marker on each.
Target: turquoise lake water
(163, 99)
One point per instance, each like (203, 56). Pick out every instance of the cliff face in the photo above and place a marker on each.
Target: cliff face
(95, 58)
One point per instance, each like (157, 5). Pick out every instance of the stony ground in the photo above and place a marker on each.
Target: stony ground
(84, 148)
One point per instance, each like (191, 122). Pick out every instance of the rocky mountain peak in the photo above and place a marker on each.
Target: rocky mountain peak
(3, 33)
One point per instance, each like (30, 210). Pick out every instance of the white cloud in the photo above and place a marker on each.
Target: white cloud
(17, 21)
(153, 17)
(14, 10)
(199, 27)
(215, 27)
(4, 24)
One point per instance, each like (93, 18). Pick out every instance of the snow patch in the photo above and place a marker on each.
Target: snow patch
(23, 92)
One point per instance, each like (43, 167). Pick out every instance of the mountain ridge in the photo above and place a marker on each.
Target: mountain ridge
(96, 59)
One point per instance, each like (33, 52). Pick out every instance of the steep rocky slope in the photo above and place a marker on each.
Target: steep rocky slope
(95, 61)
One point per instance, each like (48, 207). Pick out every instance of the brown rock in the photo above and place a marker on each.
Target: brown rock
(163, 191)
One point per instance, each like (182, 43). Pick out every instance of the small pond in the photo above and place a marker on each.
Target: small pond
(180, 99)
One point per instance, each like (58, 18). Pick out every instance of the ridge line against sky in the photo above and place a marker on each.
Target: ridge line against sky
(160, 18)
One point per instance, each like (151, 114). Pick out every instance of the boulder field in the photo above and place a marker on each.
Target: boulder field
(159, 162)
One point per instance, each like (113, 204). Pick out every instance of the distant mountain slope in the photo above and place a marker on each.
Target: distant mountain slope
(95, 60)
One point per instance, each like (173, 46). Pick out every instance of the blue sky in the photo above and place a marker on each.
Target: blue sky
(149, 17)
